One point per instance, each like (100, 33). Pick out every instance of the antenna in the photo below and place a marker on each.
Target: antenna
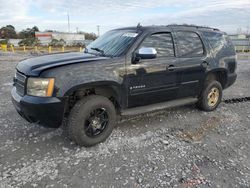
(139, 25)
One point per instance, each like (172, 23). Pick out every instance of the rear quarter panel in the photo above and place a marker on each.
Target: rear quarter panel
(223, 51)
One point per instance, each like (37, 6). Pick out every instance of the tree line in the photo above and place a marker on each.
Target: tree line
(9, 32)
(28, 35)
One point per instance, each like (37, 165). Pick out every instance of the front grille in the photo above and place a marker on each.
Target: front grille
(19, 83)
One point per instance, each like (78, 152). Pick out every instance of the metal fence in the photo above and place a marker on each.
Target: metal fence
(36, 49)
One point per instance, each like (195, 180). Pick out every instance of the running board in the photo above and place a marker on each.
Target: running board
(158, 106)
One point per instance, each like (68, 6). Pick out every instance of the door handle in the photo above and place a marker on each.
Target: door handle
(204, 64)
(171, 68)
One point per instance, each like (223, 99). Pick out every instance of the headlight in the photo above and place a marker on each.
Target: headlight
(41, 87)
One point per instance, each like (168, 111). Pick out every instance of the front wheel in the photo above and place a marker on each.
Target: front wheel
(211, 96)
(91, 120)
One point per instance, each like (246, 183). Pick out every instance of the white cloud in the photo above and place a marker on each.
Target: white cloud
(116, 13)
(10, 8)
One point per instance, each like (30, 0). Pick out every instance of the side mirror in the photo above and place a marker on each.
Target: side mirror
(147, 53)
(144, 53)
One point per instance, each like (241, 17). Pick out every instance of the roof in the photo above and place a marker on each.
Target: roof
(193, 27)
(173, 26)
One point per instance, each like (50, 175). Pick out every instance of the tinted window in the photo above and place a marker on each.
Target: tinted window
(189, 44)
(113, 43)
(216, 40)
(162, 42)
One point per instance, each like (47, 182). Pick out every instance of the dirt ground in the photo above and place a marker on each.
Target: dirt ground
(181, 147)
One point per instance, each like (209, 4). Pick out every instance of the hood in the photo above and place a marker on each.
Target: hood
(34, 66)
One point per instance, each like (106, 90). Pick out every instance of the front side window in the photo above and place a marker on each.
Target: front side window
(189, 44)
(162, 42)
(113, 43)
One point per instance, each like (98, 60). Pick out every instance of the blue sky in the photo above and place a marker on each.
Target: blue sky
(227, 15)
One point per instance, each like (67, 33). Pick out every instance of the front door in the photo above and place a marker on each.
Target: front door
(154, 80)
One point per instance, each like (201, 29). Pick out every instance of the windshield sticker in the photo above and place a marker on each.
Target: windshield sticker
(130, 35)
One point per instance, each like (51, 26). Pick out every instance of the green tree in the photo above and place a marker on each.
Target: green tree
(29, 42)
(89, 36)
(28, 33)
(8, 32)
(4, 41)
(57, 43)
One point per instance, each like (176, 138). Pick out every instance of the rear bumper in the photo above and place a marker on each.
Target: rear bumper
(46, 111)
(231, 79)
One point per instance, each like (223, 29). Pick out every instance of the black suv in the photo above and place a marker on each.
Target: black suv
(125, 72)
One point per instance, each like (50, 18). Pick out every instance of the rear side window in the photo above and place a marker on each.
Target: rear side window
(216, 40)
(162, 42)
(189, 44)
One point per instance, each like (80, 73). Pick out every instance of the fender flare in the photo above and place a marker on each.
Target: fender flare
(115, 87)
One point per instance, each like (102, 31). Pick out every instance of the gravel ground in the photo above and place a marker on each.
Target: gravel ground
(182, 147)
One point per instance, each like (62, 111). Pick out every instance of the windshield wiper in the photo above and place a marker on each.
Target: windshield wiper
(98, 50)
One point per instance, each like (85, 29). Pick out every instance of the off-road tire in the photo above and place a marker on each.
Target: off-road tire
(80, 113)
(203, 103)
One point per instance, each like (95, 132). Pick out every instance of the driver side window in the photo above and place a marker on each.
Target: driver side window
(162, 42)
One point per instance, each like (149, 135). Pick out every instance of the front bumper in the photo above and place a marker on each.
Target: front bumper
(46, 111)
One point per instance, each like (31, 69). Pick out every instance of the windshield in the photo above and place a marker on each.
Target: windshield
(113, 43)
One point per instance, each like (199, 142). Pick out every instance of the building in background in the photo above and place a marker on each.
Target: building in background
(14, 42)
(70, 38)
(44, 37)
(241, 42)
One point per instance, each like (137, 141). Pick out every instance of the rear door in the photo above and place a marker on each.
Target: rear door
(192, 60)
(153, 80)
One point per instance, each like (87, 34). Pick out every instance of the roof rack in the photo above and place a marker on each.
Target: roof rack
(194, 26)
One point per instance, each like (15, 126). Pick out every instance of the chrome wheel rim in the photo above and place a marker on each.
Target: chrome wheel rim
(213, 97)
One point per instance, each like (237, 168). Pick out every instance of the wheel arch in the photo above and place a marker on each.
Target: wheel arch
(110, 89)
(219, 74)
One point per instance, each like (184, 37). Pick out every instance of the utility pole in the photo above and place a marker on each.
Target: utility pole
(98, 30)
(248, 36)
(248, 30)
(239, 31)
(68, 23)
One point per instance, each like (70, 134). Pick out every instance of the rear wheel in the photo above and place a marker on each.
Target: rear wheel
(91, 120)
(211, 96)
